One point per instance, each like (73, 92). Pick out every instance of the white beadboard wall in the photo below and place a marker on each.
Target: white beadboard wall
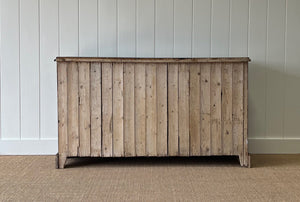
(34, 32)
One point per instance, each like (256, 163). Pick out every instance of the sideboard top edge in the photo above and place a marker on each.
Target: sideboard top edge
(152, 60)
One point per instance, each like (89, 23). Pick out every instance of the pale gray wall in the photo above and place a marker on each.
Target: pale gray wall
(34, 32)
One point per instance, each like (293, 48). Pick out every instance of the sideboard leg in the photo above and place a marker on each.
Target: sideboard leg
(249, 161)
(245, 160)
(241, 159)
(60, 161)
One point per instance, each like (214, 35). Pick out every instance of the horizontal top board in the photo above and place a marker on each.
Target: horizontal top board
(151, 60)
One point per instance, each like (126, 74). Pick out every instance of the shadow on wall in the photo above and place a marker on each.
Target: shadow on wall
(274, 101)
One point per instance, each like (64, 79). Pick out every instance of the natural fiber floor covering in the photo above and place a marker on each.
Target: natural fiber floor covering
(34, 178)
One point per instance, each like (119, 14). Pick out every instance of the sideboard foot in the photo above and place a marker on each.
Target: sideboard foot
(60, 161)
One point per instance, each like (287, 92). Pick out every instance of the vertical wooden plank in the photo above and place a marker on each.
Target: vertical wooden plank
(118, 148)
(183, 109)
(107, 33)
(164, 29)
(29, 69)
(257, 53)
(205, 138)
(48, 51)
(68, 23)
(62, 99)
(173, 109)
(201, 28)
(220, 28)
(10, 58)
(129, 135)
(151, 113)
(162, 115)
(227, 108)
(237, 108)
(215, 107)
(73, 127)
(96, 131)
(183, 28)
(126, 28)
(140, 109)
(107, 109)
(84, 109)
(145, 28)
(245, 107)
(195, 78)
(88, 28)
(292, 73)
(239, 12)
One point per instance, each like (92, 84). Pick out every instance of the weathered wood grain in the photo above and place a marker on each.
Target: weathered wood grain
(183, 110)
(195, 78)
(151, 111)
(152, 60)
(237, 108)
(215, 107)
(205, 137)
(62, 99)
(173, 110)
(73, 126)
(140, 109)
(118, 137)
(245, 93)
(162, 115)
(129, 136)
(84, 109)
(227, 109)
(107, 109)
(96, 130)
(192, 108)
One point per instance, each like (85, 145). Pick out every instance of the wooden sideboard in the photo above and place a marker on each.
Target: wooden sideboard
(125, 107)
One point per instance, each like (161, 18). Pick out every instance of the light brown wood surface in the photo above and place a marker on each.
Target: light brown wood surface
(237, 109)
(215, 107)
(118, 138)
(62, 90)
(227, 109)
(183, 110)
(96, 102)
(205, 138)
(195, 79)
(129, 136)
(162, 115)
(84, 109)
(152, 60)
(173, 109)
(126, 107)
(151, 111)
(140, 109)
(73, 126)
(107, 109)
